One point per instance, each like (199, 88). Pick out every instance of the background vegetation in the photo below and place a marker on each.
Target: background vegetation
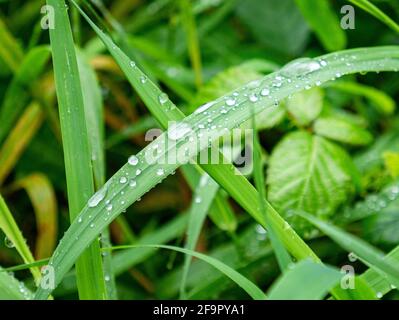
(75, 106)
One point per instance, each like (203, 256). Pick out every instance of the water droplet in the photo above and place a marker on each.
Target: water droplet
(132, 64)
(92, 225)
(138, 172)
(265, 92)
(323, 63)
(97, 197)
(300, 67)
(143, 79)
(133, 160)
(163, 98)
(80, 220)
(178, 130)
(231, 102)
(8, 243)
(109, 207)
(253, 97)
(352, 257)
(107, 278)
(379, 295)
(160, 172)
(123, 180)
(132, 183)
(197, 199)
(204, 107)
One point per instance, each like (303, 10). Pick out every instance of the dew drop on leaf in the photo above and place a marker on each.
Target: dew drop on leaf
(8, 243)
(97, 197)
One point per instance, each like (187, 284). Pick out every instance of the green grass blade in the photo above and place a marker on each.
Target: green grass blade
(13, 234)
(367, 253)
(16, 96)
(380, 284)
(253, 291)
(283, 258)
(325, 23)
(10, 50)
(295, 283)
(201, 202)
(188, 21)
(19, 138)
(12, 289)
(78, 167)
(376, 12)
(95, 126)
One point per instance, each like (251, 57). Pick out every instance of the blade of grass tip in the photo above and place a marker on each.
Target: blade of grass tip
(78, 167)
(188, 21)
(204, 194)
(12, 289)
(15, 237)
(229, 178)
(42, 195)
(376, 12)
(19, 138)
(283, 258)
(370, 255)
(253, 291)
(95, 126)
(294, 284)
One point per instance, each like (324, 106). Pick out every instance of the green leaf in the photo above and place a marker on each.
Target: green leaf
(391, 160)
(370, 255)
(324, 22)
(253, 291)
(10, 50)
(361, 291)
(305, 106)
(285, 31)
(77, 155)
(308, 172)
(343, 131)
(294, 284)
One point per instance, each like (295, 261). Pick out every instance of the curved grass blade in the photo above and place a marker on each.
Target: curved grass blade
(78, 167)
(294, 284)
(42, 195)
(376, 12)
(10, 50)
(26, 127)
(253, 291)
(367, 253)
(205, 192)
(13, 234)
